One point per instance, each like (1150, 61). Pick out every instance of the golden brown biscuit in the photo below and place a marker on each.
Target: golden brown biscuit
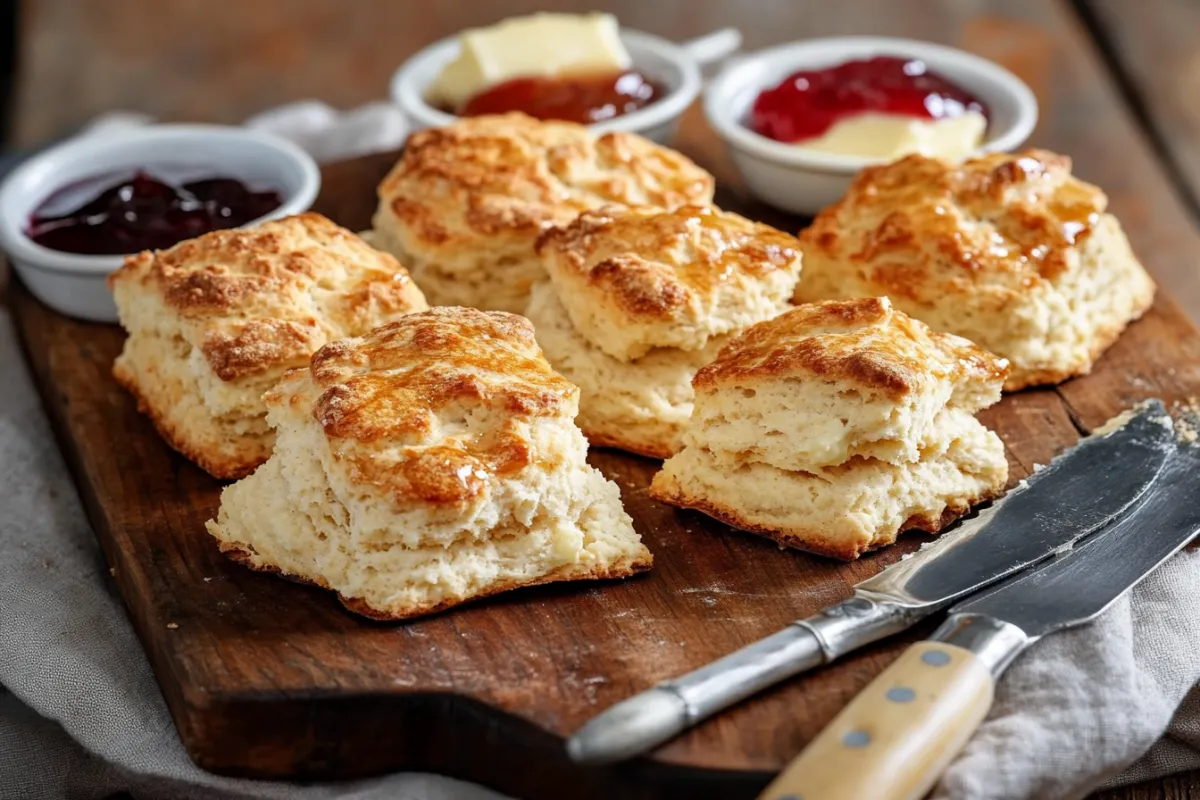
(633, 279)
(465, 204)
(1009, 251)
(828, 381)
(213, 322)
(837, 425)
(430, 462)
(640, 406)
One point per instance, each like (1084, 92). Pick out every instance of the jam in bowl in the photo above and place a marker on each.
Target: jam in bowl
(71, 214)
(126, 214)
(579, 98)
(881, 107)
(809, 102)
(858, 101)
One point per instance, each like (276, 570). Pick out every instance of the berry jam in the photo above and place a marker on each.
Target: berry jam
(580, 98)
(807, 104)
(145, 213)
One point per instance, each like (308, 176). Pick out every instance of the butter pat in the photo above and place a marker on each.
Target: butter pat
(889, 136)
(539, 45)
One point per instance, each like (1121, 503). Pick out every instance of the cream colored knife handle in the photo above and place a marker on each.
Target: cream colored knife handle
(897, 737)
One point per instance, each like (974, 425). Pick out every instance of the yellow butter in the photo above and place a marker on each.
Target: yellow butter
(540, 45)
(889, 136)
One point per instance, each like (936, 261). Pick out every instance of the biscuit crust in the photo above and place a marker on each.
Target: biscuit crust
(812, 539)
(357, 605)
(215, 320)
(1008, 250)
(836, 426)
(206, 445)
(395, 382)
(861, 344)
(633, 279)
(430, 462)
(465, 204)
(845, 510)
(639, 406)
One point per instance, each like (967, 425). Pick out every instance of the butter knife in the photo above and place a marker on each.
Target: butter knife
(902, 731)
(1079, 492)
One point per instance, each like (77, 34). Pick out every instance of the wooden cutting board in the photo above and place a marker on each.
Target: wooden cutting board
(273, 679)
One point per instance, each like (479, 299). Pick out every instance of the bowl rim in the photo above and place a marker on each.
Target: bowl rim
(732, 78)
(15, 242)
(411, 98)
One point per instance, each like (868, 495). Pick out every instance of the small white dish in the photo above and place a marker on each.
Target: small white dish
(805, 181)
(675, 66)
(75, 284)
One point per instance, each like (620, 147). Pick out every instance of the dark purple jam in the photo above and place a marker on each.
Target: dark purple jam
(145, 213)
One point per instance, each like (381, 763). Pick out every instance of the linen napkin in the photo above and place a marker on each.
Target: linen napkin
(1110, 703)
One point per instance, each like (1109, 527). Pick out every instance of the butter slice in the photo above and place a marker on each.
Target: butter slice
(539, 45)
(890, 136)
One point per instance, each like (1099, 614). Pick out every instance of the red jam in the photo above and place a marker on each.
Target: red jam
(581, 98)
(807, 104)
(145, 213)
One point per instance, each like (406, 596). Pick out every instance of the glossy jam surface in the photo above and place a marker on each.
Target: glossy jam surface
(580, 98)
(142, 212)
(807, 104)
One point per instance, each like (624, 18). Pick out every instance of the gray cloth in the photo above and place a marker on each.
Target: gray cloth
(85, 717)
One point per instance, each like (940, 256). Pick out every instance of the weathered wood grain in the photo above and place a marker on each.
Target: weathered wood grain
(1155, 49)
(274, 679)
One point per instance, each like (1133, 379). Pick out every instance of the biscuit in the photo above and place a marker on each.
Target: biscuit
(466, 203)
(829, 381)
(1009, 251)
(634, 279)
(837, 425)
(640, 406)
(430, 462)
(214, 322)
(846, 510)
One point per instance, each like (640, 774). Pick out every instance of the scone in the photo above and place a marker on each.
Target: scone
(639, 299)
(1010, 251)
(432, 461)
(214, 322)
(835, 426)
(639, 406)
(465, 204)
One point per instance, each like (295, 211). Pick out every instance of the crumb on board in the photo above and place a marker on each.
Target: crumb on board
(1187, 422)
(112, 571)
(172, 626)
(206, 580)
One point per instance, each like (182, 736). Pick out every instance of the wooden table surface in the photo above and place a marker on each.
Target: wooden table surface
(1118, 83)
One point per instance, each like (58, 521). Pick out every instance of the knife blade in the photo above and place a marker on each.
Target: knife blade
(1081, 490)
(895, 739)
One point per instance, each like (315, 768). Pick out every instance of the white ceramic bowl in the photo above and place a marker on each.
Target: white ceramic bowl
(675, 66)
(805, 181)
(75, 284)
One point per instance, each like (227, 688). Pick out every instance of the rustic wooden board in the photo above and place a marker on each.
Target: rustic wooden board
(269, 678)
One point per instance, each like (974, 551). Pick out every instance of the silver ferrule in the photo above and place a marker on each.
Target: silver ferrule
(994, 642)
(804, 644)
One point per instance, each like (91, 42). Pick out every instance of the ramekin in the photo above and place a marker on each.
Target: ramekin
(805, 181)
(75, 284)
(675, 66)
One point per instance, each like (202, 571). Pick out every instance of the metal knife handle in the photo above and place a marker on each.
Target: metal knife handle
(656, 715)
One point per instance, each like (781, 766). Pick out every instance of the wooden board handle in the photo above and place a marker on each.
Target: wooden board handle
(900, 733)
